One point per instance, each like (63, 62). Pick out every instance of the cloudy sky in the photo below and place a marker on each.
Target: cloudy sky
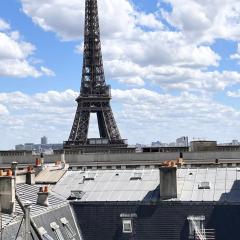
(173, 66)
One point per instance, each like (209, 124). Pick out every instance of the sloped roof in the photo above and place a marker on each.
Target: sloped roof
(42, 216)
(116, 185)
(50, 175)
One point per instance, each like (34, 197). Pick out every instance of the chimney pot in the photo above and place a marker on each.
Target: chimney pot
(43, 196)
(46, 189)
(38, 162)
(9, 172)
(29, 168)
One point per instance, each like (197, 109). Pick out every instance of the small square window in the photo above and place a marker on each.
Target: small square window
(127, 225)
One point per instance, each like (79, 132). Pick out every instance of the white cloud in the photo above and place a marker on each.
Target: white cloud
(236, 56)
(3, 110)
(25, 118)
(234, 94)
(138, 48)
(142, 115)
(47, 71)
(147, 115)
(15, 53)
(3, 25)
(70, 25)
(212, 19)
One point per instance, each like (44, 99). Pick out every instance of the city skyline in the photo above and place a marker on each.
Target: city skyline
(171, 73)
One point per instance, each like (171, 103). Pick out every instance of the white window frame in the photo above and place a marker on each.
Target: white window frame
(56, 230)
(127, 222)
(68, 228)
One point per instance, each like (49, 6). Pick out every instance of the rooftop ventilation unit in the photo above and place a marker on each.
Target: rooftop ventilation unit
(136, 176)
(76, 195)
(204, 185)
(89, 177)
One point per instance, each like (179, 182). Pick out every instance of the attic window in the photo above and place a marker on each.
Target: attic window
(57, 231)
(136, 176)
(196, 223)
(127, 225)
(44, 234)
(76, 195)
(89, 177)
(204, 185)
(68, 228)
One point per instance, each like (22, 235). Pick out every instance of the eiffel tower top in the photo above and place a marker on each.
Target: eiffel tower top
(93, 79)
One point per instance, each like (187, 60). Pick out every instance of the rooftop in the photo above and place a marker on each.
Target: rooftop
(58, 213)
(198, 184)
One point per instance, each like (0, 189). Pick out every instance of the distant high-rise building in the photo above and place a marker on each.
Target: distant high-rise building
(44, 140)
(28, 146)
(19, 147)
(182, 142)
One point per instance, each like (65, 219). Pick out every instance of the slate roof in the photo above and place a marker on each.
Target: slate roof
(116, 185)
(161, 220)
(42, 216)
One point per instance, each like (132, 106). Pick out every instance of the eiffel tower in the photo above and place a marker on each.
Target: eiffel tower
(95, 95)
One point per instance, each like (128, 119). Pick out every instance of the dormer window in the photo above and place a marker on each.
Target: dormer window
(56, 230)
(136, 176)
(127, 222)
(196, 227)
(76, 195)
(44, 234)
(68, 228)
(89, 177)
(127, 225)
(204, 185)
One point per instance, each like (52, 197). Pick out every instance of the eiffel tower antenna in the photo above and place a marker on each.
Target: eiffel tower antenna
(95, 95)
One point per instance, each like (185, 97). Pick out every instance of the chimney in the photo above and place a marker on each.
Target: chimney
(38, 166)
(168, 182)
(30, 176)
(63, 158)
(63, 161)
(42, 158)
(43, 196)
(14, 168)
(180, 161)
(7, 192)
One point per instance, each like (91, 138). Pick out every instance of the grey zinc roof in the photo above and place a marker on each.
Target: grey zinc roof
(115, 185)
(108, 185)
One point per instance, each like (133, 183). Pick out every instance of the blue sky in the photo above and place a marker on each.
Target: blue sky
(172, 73)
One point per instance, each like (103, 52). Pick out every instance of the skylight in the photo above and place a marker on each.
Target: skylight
(136, 176)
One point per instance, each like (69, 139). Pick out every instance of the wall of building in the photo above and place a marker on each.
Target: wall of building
(127, 158)
(155, 220)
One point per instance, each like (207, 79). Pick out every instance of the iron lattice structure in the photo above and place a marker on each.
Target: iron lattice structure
(94, 95)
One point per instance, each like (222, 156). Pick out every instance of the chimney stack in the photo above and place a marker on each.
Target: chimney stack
(7, 192)
(30, 176)
(43, 196)
(168, 181)
(14, 168)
